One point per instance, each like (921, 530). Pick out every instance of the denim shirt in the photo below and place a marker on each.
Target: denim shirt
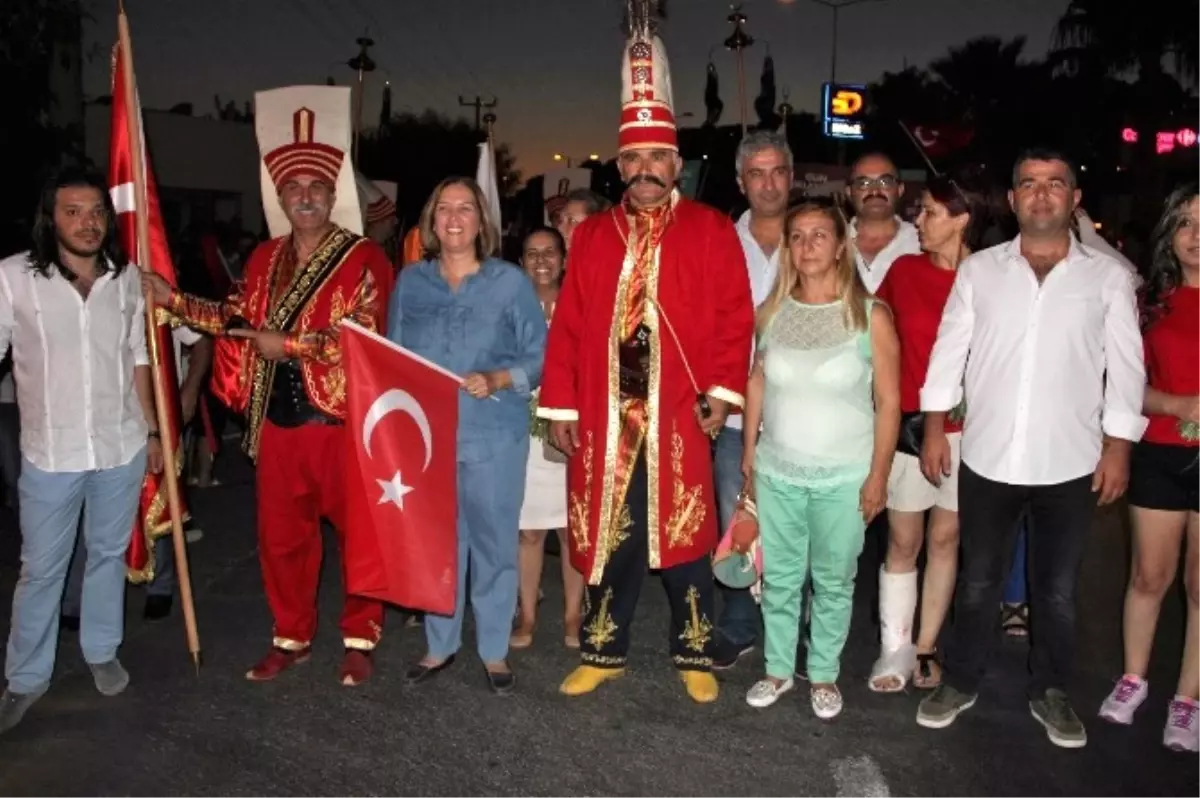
(493, 321)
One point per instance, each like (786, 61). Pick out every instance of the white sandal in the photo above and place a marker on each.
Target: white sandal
(898, 664)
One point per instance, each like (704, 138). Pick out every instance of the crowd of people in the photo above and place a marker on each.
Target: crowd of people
(655, 374)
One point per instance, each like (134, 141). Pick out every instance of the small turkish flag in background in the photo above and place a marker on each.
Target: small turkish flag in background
(402, 474)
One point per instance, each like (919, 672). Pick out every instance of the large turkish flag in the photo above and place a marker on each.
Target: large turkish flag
(402, 475)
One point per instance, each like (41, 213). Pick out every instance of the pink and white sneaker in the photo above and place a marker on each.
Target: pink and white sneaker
(1124, 700)
(1182, 732)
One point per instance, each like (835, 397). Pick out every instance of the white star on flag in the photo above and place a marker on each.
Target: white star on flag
(394, 490)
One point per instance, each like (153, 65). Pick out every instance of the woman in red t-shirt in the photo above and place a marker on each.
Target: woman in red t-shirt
(916, 288)
(1163, 489)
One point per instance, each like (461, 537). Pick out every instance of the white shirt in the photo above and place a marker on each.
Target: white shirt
(1051, 368)
(905, 242)
(762, 270)
(73, 361)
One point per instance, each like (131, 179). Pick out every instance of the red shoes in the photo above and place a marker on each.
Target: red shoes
(276, 662)
(356, 665)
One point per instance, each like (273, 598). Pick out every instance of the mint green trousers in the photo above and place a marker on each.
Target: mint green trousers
(807, 530)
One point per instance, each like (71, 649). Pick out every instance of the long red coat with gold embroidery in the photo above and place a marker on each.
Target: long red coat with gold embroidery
(699, 280)
(348, 277)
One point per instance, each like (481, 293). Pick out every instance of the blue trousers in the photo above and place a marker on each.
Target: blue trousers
(50, 507)
(490, 493)
(163, 583)
(738, 622)
(1016, 590)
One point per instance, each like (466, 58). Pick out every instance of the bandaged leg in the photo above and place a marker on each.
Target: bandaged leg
(897, 655)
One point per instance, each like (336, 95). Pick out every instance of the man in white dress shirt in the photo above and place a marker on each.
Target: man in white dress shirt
(764, 174)
(72, 311)
(880, 236)
(1046, 331)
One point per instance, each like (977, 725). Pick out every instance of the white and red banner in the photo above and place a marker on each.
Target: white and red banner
(154, 517)
(402, 474)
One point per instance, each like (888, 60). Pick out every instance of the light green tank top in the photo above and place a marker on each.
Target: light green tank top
(818, 425)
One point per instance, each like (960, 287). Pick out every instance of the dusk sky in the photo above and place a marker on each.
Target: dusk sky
(553, 64)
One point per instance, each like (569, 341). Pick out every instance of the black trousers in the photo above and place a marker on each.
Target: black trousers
(609, 606)
(988, 512)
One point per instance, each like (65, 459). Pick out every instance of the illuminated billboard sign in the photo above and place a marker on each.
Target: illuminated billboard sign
(843, 110)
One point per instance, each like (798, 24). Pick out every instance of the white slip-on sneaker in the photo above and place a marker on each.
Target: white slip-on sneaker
(766, 692)
(826, 701)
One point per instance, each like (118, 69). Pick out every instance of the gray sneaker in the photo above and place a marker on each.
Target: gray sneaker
(1063, 726)
(13, 707)
(942, 706)
(111, 679)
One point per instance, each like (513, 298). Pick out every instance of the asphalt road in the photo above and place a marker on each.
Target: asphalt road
(173, 733)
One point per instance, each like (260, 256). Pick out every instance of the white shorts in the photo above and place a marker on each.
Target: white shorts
(910, 492)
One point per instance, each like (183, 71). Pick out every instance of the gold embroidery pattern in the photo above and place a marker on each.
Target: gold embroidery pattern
(621, 532)
(324, 262)
(612, 429)
(601, 662)
(689, 510)
(653, 458)
(698, 631)
(580, 509)
(602, 630)
(695, 662)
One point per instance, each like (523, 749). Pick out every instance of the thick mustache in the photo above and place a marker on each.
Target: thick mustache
(307, 207)
(647, 179)
(870, 197)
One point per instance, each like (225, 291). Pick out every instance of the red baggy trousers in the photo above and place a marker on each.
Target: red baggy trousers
(301, 476)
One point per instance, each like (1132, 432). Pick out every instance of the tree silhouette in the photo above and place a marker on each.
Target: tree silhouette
(1117, 38)
(417, 151)
(32, 31)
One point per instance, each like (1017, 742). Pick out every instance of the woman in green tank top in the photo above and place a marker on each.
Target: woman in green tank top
(826, 391)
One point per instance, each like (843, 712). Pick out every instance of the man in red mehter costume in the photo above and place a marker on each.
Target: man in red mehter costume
(647, 355)
(280, 362)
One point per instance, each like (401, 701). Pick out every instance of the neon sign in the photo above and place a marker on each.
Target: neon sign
(843, 110)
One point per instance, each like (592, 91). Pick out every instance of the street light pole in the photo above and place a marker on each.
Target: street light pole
(836, 6)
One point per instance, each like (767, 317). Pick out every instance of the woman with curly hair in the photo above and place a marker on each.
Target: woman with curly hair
(1163, 495)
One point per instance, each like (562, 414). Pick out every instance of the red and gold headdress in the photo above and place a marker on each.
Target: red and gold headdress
(304, 155)
(306, 130)
(647, 110)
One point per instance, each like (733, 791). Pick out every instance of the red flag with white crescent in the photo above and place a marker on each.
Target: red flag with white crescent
(154, 517)
(401, 476)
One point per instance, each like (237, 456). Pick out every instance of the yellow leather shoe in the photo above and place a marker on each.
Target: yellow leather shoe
(585, 679)
(701, 686)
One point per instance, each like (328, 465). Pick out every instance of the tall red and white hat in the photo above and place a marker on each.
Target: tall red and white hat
(377, 198)
(647, 108)
(306, 131)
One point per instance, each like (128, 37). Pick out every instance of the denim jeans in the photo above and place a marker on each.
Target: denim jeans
(490, 493)
(50, 506)
(739, 619)
(1016, 591)
(1061, 520)
(163, 583)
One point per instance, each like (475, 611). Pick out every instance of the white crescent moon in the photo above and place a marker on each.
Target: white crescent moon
(396, 399)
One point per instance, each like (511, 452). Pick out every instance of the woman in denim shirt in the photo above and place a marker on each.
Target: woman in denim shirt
(478, 317)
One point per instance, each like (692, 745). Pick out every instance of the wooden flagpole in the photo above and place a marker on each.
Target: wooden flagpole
(133, 119)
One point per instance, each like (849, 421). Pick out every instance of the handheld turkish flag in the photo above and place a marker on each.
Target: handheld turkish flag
(402, 474)
(154, 517)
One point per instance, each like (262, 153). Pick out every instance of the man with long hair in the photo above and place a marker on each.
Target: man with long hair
(649, 352)
(279, 363)
(72, 310)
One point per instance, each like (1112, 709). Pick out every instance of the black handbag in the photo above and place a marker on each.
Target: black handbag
(912, 433)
